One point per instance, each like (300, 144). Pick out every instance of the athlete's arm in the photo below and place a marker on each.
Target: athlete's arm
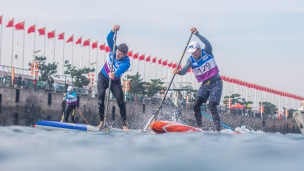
(110, 40)
(208, 47)
(122, 69)
(72, 95)
(110, 36)
(184, 70)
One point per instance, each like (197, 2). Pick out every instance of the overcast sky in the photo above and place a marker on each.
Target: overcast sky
(258, 41)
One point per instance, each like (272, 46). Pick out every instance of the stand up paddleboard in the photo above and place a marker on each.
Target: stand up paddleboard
(54, 125)
(160, 127)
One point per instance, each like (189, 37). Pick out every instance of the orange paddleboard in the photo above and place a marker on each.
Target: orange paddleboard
(160, 127)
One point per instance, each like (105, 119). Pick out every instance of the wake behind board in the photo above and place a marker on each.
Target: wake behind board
(54, 125)
(160, 127)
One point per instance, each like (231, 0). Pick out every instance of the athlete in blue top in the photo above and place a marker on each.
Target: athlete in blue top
(71, 100)
(121, 65)
(206, 71)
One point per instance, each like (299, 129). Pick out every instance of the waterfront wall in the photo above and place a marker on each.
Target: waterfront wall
(31, 106)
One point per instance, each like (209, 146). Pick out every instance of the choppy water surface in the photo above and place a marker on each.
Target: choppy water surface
(32, 149)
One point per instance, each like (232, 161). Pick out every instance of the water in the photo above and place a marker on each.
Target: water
(32, 149)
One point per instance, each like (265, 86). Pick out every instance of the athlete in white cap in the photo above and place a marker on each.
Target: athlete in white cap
(206, 71)
(71, 100)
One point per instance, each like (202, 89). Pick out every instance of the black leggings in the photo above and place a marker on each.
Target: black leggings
(116, 89)
(69, 110)
(213, 108)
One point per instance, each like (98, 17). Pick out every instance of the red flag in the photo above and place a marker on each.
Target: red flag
(51, 34)
(170, 64)
(174, 65)
(159, 61)
(41, 31)
(135, 56)
(31, 29)
(94, 45)
(78, 41)
(19, 26)
(86, 43)
(142, 57)
(189, 70)
(61, 36)
(10, 23)
(108, 49)
(102, 47)
(148, 58)
(179, 67)
(165, 62)
(70, 39)
(1, 19)
(154, 60)
(130, 53)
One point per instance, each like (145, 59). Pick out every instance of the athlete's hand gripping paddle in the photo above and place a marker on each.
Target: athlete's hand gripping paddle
(104, 123)
(154, 116)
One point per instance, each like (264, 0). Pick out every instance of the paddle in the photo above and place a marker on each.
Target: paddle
(63, 109)
(154, 116)
(104, 124)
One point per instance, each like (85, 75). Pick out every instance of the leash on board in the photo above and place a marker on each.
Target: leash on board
(82, 116)
(154, 116)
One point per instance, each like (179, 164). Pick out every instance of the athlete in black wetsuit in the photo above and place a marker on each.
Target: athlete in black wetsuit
(121, 65)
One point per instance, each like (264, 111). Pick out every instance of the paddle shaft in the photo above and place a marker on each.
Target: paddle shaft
(63, 109)
(154, 116)
(110, 83)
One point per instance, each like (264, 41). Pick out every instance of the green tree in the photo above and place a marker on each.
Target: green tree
(46, 70)
(137, 86)
(78, 75)
(154, 86)
(269, 108)
(234, 97)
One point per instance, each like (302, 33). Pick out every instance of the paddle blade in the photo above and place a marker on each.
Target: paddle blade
(105, 127)
(152, 119)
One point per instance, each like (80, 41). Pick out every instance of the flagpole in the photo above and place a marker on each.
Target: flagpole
(144, 70)
(155, 67)
(16, 51)
(1, 40)
(161, 71)
(149, 70)
(132, 65)
(73, 51)
(35, 38)
(12, 52)
(80, 55)
(96, 61)
(54, 45)
(23, 48)
(44, 41)
(89, 56)
(63, 55)
(51, 52)
(104, 54)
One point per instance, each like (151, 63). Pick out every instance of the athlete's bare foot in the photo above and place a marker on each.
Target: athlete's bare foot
(218, 131)
(99, 124)
(125, 128)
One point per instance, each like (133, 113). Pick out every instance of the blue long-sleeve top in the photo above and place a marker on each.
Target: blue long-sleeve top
(119, 66)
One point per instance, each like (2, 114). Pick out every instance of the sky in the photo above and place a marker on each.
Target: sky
(256, 41)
